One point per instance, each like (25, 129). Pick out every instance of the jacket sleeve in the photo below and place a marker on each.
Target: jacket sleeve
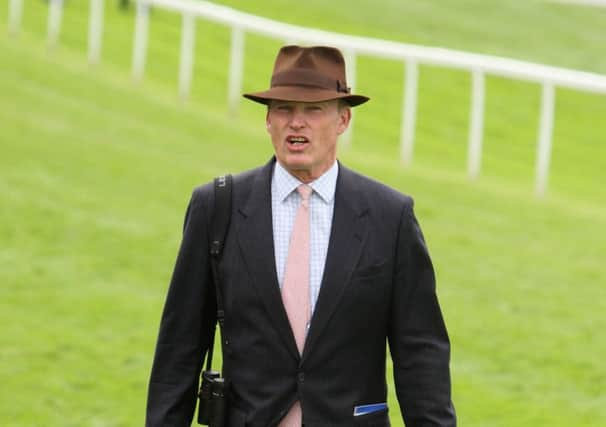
(186, 324)
(418, 339)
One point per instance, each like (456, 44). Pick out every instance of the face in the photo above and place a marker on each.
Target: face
(304, 135)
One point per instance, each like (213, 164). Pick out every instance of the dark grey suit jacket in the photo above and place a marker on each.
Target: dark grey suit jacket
(378, 288)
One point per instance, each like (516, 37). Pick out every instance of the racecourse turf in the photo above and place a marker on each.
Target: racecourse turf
(95, 173)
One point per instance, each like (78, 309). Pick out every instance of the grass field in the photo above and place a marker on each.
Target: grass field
(95, 173)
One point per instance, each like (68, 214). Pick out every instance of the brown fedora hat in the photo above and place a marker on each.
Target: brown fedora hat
(308, 74)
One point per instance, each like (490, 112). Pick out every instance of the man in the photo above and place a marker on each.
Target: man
(321, 268)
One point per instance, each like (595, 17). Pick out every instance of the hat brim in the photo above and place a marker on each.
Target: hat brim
(304, 94)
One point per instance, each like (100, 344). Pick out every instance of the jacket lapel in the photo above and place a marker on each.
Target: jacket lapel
(257, 246)
(348, 233)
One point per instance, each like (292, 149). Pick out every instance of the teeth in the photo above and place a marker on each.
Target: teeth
(297, 139)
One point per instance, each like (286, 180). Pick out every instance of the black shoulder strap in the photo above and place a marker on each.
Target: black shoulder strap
(218, 231)
(221, 214)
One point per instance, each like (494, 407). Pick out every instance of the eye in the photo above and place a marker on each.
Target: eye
(314, 108)
(284, 108)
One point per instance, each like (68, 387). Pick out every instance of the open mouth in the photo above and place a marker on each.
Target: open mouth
(297, 140)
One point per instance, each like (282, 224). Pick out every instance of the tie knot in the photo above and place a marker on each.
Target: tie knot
(304, 191)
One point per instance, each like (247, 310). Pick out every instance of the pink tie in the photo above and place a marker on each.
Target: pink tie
(295, 290)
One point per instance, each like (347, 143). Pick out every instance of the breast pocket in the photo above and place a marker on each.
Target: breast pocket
(368, 286)
(370, 271)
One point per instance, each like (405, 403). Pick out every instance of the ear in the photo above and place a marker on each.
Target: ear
(267, 120)
(344, 119)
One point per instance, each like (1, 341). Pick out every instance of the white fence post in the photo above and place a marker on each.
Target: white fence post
(140, 43)
(236, 65)
(15, 11)
(545, 135)
(95, 31)
(350, 71)
(55, 12)
(409, 112)
(476, 126)
(186, 64)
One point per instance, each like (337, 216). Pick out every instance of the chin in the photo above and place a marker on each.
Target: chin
(297, 167)
(296, 162)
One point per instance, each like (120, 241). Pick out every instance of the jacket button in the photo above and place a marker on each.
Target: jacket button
(301, 377)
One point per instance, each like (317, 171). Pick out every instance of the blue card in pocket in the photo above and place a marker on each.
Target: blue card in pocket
(369, 409)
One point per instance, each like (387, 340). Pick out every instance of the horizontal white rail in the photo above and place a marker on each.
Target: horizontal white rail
(487, 64)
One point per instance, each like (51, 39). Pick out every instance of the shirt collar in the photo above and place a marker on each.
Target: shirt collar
(324, 186)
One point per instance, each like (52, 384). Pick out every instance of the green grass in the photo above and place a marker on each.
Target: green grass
(95, 173)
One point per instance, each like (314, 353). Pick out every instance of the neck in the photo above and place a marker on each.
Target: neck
(307, 176)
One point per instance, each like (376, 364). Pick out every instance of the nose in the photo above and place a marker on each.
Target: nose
(297, 120)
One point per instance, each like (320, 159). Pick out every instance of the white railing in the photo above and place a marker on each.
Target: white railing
(352, 46)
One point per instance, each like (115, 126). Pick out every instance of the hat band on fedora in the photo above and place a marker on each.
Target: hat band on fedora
(303, 77)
